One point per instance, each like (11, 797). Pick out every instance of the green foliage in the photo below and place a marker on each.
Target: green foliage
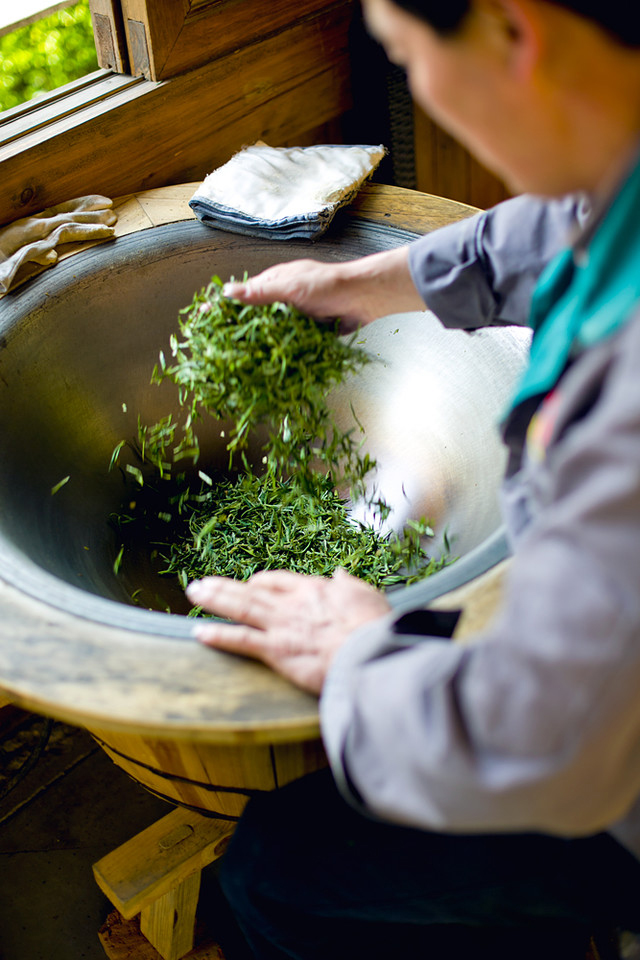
(243, 525)
(270, 367)
(46, 54)
(260, 365)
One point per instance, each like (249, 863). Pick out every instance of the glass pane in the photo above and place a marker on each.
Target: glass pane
(45, 54)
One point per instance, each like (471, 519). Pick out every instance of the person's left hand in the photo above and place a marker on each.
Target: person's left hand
(292, 622)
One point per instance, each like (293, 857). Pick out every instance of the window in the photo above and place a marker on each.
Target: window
(42, 47)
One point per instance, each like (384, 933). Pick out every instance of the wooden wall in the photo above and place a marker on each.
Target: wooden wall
(445, 168)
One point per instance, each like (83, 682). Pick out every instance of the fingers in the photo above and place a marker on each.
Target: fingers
(257, 291)
(236, 291)
(79, 232)
(43, 255)
(293, 623)
(280, 580)
(82, 216)
(240, 639)
(299, 282)
(306, 668)
(91, 202)
(242, 601)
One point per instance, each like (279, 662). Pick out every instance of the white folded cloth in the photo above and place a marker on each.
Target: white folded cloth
(283, 192)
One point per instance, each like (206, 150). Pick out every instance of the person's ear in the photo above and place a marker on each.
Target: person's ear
(517, 31)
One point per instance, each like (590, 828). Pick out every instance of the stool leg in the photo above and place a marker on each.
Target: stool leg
(603, 945)
(169, 922)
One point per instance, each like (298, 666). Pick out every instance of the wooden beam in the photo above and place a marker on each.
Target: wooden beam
(167, 38)
(109, 34)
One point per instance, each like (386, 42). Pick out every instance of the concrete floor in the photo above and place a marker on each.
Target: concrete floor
(70, 809)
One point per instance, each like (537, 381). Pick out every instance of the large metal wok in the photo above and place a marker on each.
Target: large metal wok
(77, 346)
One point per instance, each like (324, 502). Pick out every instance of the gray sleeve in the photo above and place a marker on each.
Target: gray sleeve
(535, 724)
(481, 271)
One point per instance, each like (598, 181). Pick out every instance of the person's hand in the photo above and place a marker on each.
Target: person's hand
(356, 291)
(292, 622)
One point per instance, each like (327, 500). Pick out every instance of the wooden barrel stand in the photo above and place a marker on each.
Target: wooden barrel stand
(215, 780)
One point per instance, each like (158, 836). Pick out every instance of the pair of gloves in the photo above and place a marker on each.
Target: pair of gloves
(29, 245)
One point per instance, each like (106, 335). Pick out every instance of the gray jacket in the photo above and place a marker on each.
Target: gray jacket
(536, 724)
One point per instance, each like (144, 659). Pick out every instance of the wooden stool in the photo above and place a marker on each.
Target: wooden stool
(157, 874)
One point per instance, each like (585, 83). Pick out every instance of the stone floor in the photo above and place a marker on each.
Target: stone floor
(70, 809)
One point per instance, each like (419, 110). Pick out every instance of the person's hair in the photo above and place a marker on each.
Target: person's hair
(617, 17)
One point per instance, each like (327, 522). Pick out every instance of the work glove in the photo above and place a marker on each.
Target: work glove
(29, 245)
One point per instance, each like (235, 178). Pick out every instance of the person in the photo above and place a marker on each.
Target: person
(482, 798)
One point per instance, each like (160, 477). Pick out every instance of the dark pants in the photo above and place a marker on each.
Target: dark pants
(308, 877)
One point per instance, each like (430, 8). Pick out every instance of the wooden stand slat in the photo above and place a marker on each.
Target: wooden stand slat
(169, 922)
(122, 940)
(154, 862)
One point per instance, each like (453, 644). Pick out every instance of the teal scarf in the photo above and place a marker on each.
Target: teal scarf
(575, 305)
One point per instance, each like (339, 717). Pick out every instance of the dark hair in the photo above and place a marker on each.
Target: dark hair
(617, 17)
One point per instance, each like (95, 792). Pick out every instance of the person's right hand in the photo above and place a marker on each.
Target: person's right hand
(356, 291)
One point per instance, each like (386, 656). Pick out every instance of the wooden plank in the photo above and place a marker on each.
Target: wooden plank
(37, 115)
(168, 204)
(109, 34)
(480, 600)
(484, 185)
(408, 209)
(122, 940)
(185, 127)
(292, 760)
(452, 167)
(177, 37)
(169, 922)
(212, 778)
(103, 677)
(445, 168)
(159, 858)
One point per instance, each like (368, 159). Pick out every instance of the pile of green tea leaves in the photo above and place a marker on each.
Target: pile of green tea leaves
(269, 368)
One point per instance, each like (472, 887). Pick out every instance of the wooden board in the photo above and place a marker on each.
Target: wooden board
(444, 167)
(156, 860)
(122, 940)
(166, 38)
(375, 202)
